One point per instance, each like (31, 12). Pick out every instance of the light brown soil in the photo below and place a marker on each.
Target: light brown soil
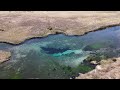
(109, 69)
(4, 56)
(15, 26)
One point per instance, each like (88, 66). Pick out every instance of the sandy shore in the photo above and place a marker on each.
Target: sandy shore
(4, 56)
(109, 69)
(15, 26)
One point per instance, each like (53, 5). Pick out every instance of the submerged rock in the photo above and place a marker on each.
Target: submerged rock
(94, 46)
(68, 52)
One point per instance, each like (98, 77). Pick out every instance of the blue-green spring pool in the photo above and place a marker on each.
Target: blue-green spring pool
(58, 56)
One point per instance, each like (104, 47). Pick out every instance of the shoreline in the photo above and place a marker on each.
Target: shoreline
(38, 37)
(108, 69)
(16, 27)
(4, 56)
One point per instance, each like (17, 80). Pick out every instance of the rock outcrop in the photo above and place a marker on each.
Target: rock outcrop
(15, 26)
(108, 69)
(4, 56)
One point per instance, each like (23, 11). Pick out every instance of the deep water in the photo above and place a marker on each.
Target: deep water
(59, 56)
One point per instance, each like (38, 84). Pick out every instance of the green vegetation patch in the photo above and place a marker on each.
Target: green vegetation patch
(73, 71)
(97, 46)
(16, 76)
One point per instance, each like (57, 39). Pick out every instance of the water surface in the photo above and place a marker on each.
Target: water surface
(58, 56)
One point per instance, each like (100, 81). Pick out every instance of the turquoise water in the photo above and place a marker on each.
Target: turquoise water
(58, 56)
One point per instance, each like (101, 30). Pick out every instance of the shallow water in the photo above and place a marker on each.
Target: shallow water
(58, 56)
